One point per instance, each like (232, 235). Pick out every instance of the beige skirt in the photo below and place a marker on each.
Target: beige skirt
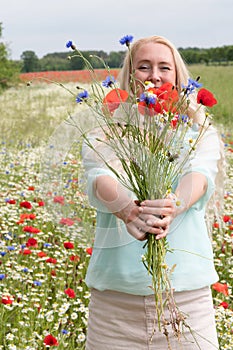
(120, 321)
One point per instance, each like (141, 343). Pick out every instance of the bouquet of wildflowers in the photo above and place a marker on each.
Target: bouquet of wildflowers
(150, 137)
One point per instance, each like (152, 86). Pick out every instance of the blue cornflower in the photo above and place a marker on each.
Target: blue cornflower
(192, 85)
(25, 269)
(126, 40)
(11, 247)
(37, 283)
(82, 96)
(64, 331)
(70, 44)
(184, 118)
(47, 245)
(109, 81)
(23, 246)
(2, 253)
(148, 99)
(2, 276)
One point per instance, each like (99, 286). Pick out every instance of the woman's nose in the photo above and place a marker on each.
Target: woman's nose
(154, 76)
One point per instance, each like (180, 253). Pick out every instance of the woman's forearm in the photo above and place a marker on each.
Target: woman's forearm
(113, 195)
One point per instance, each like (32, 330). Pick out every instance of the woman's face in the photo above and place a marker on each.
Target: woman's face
(154, 62)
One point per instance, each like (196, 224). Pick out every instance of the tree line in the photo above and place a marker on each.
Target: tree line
(59, 61)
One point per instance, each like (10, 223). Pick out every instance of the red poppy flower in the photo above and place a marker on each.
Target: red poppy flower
(31, 229)
(221, 288)
(166, 98)
(51, 260)
(206, 98)
(224, 304)
(26, 204)
(68, 245)
(216, 225)
(113, 99)
(226, 218)
(75, 258)
(31, 188)
(41, 204)
(31, 242)
(7, 300)
(89, 250)
(25, 251)
(70, 292)
(41, 254)
(49, 340)
(11, 201)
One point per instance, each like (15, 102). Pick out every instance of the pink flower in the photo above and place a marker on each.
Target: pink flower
(66, 221)
(59, 199)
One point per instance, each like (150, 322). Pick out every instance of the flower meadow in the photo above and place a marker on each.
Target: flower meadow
(43, 258)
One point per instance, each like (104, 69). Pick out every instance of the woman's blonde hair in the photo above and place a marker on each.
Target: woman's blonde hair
(182, 73)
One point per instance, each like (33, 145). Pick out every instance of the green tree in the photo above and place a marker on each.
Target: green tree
(30, 61)
(9, 70)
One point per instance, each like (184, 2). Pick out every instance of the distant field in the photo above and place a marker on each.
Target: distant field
(83, 76)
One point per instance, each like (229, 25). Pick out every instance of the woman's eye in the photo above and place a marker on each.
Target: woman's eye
(165, 68)
(144, 68)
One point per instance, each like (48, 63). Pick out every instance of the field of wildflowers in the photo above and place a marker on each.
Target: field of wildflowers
(43, 261)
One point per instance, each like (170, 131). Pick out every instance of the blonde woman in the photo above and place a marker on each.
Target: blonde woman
(121, 309)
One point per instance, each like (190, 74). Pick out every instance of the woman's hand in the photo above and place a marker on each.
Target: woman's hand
(151, 216)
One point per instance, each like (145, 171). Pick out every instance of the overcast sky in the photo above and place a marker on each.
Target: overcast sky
(44, 26)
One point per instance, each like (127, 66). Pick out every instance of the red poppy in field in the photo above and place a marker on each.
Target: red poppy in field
(31, 229)
(89, 250)
(224, 304)
(70, 292)
(26, 204)
(221, 288)
(68, 245)
(49, 340)
(113, 99)
(75, 258)
(41, 204)
(25, 252)
(31, 188)
(41, 254)
(11, 201)
(216, 225)
(51, 260)
(226, 218)
(206, 98)
(7, 299)
(31, 242)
